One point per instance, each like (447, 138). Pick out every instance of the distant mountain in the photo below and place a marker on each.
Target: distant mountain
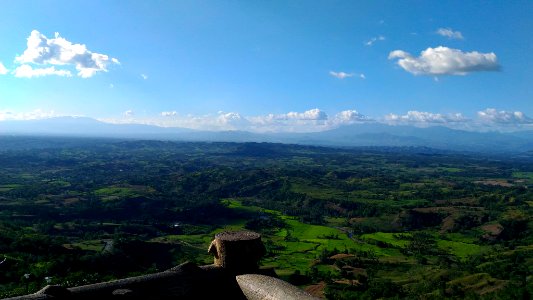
(367, 134)
(376, 134)
(81, 126)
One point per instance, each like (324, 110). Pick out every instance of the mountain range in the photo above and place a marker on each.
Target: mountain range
(356, 135)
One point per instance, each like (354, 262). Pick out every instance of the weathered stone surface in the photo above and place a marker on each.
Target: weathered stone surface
(186, 281)
(56, 291)
(260, 287)
(235, 253)
(123, 293)
(238, 251)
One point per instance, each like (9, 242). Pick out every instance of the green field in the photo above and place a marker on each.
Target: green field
(91, 245)
(121, 192)
(352, 223)
(8, 187)
(460, 249)
(387, 238)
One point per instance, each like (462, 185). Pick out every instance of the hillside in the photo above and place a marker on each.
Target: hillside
(345, 223)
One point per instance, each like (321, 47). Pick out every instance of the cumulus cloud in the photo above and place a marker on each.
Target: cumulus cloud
(421, 118)
(26, 71)
(371, 41)
(58, 51)
(449, 33)
(310, 120)
(445, 61)
(350, 117)
(215, 122)
(3, 69)
(309, 115)
(504, 117)
(169, 113)
(231, 118)
(312, 114)
(307, 121)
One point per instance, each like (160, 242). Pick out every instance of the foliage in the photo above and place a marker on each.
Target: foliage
(369, 222)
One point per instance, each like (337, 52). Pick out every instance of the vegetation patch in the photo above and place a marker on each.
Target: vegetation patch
(366, 223)
(8, 187)
(460, 249)
(122, 191)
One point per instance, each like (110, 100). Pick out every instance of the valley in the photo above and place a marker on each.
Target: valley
(344, 223)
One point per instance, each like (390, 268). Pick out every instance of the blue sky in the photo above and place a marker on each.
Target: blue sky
(270, 65)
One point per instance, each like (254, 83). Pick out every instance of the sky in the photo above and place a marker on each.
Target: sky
(270, 66)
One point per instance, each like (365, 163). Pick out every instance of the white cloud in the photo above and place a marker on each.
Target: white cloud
(374, 39)
(216, 122)
(3, 69)
(343, 75)
(340, 75)
(449, 33)
(315, 120)
(7, 115)
(350, 117)
(445, 61)
(307, 121)
(144, 76)
(58, 51)
(231, 118)
(425, 118)
(312, 114)
(504, 117)
(309, 115)
(169, 113)
(128, 114)
(27, 71)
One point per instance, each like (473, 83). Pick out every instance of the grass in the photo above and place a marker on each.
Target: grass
(523, 175)
(307, 231)
(8, 187)
(123, 191)
(459, 237)
(385, 237)
(451, 170)
(200, 241)
(90, 245)
(302, 243)
(460, 249)
(318, 192)
(331, 221)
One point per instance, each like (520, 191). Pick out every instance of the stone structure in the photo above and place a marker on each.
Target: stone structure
(239, 251)
(261, 287)
(236, 253)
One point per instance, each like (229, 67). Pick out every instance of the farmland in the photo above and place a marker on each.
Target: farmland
(344, 223)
